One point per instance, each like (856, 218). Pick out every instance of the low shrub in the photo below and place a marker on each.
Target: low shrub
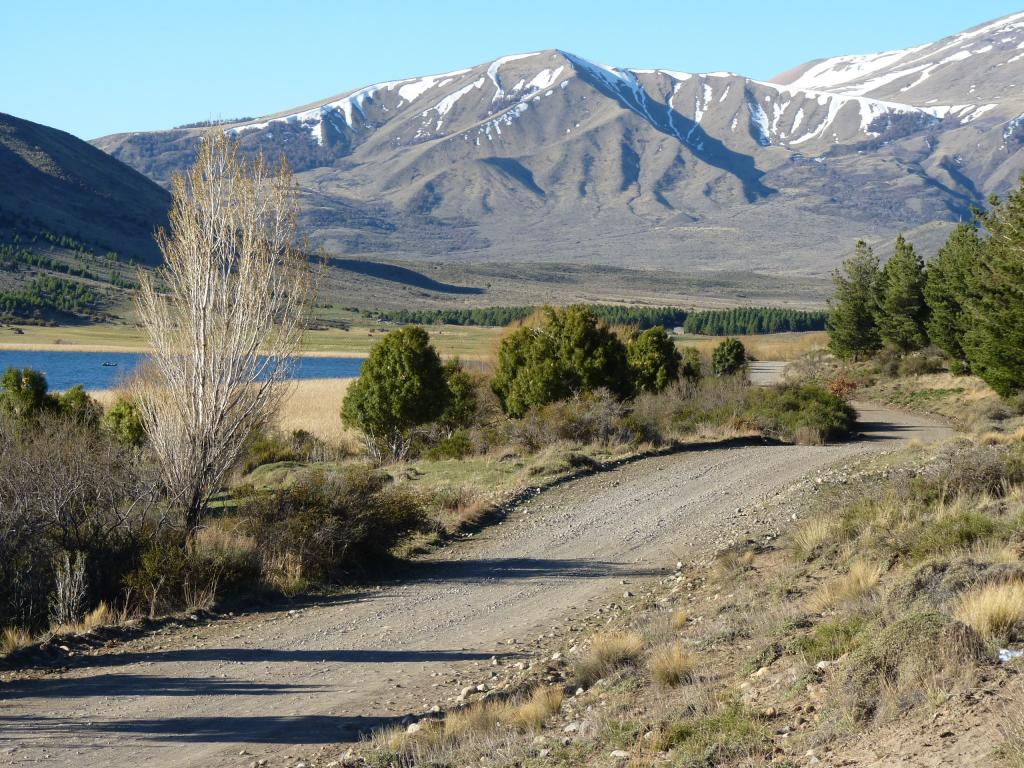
(830, 639)
(896, 663)
(806, 413)
(458, 445)
(726, 734)
(327, 523)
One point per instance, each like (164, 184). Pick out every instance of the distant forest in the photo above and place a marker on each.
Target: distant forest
(717, 322)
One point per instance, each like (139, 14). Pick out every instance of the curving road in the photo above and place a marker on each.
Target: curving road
(276, 685)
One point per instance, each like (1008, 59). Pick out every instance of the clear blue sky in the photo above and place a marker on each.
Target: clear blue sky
(94, 68)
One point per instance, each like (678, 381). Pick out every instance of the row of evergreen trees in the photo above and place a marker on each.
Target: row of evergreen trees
(719, 322)
(968, 301)
(753, 320)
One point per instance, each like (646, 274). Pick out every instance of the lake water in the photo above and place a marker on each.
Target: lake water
(65, 369)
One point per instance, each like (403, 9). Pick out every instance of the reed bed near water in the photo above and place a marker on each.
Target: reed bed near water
(313, 405)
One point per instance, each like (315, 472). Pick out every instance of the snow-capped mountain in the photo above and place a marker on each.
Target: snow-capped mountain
(548, 156)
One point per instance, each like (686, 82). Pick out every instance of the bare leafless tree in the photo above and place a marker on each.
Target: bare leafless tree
(224, 316)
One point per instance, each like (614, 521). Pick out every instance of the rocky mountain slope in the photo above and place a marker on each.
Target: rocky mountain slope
(548, 157)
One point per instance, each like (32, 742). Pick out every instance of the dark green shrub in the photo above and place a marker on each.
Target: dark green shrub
(569, 352)
(654, 361)
(803, 413)
(402, 385)
(76, 405)
(729, 357)
(329, 523)
(124, 422)
(24, 393)
(691, 367)
(458, 445)
(461, 408)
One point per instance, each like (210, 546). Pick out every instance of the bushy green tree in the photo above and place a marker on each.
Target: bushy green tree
(78, 406)
(460, 409)
(946, 292)
(24, 393)
(691, 368)
(729, 357)
(901, 312)
(401, 386)
(994, 338)
(653, 359)
(852, 330)
(124, 422)
(568, 351)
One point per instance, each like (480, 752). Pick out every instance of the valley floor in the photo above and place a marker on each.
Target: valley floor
(283, 684)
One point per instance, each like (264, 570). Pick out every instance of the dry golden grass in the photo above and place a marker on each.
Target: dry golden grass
(608, 652)
(223, 537)
(476, 718)
(100, 616)
(542, 704)
(672, 665)
(314, 405)
(1002, 438)
(679, 619)
(808, 536)
(775, 346)
(13, 639)
(995, 611)
(859, 583)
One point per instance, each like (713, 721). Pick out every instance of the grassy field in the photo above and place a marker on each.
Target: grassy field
(471, 343)
(467, 342)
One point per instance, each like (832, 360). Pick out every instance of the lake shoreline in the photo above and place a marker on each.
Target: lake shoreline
(115, 349)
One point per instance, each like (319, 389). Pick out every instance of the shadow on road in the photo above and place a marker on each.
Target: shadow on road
(131, 685)
(257, 729)
(514, 568)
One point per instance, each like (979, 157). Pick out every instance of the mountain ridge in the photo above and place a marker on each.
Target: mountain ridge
(549, 156)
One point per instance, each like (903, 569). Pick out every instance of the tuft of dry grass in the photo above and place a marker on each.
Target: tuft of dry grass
(995, 611)
(542, 704)
(858, 583)
(100, 616)
(13, 639)
(608, 652)
(672, 665)
(679, 618)
(809, 535)
(477, 718)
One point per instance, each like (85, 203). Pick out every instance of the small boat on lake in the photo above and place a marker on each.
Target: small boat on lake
(107, 364)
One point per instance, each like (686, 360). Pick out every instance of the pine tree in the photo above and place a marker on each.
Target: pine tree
(946, 292)
(902, 312)
(994, 337)
(851, 320)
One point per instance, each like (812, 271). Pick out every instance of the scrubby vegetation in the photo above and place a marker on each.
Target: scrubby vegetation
(874, 610)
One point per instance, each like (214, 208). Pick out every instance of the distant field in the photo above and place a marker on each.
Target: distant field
(472, 343)
(468, 342)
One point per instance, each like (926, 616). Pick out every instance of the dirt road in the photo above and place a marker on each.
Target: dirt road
(278, 684)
